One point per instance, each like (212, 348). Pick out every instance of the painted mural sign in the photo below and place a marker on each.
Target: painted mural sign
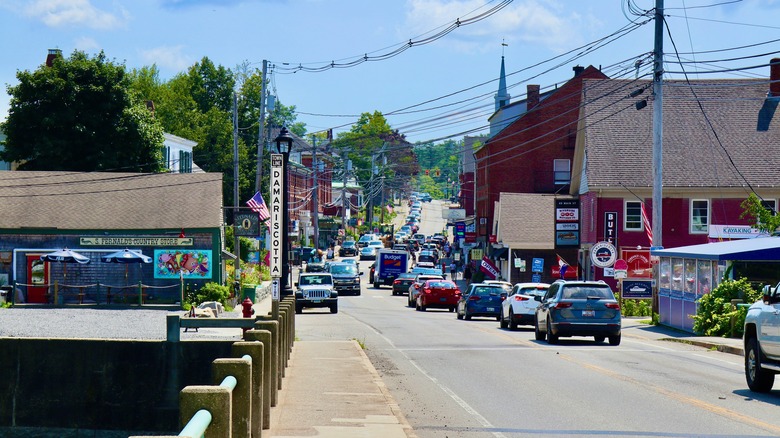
(135, 241)
(191, 264)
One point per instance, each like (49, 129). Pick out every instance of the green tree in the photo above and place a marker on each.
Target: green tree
(764, 219)
(80, 114)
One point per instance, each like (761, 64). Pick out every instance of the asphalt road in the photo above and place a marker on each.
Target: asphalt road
(455, 378)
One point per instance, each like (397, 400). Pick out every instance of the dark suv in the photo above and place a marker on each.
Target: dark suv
(346, 278)
(578, 308)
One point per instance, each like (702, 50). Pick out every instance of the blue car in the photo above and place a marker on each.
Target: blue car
(481, 299)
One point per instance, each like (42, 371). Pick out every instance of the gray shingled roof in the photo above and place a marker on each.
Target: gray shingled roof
(619, 138)
(100, 200)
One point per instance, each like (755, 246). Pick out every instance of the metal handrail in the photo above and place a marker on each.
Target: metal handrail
(197, 425)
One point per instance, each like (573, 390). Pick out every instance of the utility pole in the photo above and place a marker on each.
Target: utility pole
(344, 195)
(261, 129)
(315, 215)
(658, 119)
(236, 239)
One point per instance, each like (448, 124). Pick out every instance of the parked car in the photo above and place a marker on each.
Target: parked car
(316, 290)
(481, 299)
(578, 308)
(414, 288)
(440, 294)
(402, 282)
(346, 278)
(348, 249)
(368, 253)
(520, 306)
(762, 355)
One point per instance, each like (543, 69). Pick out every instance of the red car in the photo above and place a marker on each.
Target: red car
(440, 294)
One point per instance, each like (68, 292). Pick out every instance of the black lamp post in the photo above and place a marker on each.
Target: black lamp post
(283, 146)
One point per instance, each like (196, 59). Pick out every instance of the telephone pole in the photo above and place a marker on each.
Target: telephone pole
(261, 129)
(315, 214)
(236, 239)
(658, 119)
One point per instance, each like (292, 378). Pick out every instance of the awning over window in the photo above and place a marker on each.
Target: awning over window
(499, 253)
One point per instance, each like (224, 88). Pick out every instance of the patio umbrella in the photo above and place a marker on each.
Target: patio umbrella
(65, 256)
(126, 256)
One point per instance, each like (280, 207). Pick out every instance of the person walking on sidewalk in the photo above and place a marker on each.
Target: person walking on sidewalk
(467, 274)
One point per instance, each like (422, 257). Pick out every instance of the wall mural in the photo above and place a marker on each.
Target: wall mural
(193, 263)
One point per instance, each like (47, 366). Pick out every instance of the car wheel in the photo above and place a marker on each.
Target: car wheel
(512, 322)
(334, 308)
(758, 378)
(409, 301)
(614, 340)
(458, 314)
(501, 321)
(452, 309)
(466, 315)
(298, 309)
(599, 339)
(538, 334)
(551, 338)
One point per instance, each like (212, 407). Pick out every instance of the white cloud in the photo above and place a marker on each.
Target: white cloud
(545, 23)
(87, 45)
(168, 58)
(60, 13)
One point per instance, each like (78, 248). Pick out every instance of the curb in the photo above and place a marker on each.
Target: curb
(710, 345)
(391, 403)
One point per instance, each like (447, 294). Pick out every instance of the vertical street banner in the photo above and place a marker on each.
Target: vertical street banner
(277, 217)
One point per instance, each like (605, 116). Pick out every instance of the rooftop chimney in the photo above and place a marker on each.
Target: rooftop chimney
(532, 96)
(53, 53)
(578, 69)
(774, 77)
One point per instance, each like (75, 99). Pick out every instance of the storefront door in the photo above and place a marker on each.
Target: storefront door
(38, 279)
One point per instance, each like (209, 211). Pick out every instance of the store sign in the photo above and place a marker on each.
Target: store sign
(135, 241)
(277, 217)
(567, 222)
(610, 227)
(638, 290)
(603, 255)
(733, 232)
(639, 263)
(247, 224)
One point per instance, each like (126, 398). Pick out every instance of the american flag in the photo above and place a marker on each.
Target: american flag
(257, 204)
(646, 222)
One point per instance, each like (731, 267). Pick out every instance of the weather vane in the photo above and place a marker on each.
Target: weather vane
(503, 44)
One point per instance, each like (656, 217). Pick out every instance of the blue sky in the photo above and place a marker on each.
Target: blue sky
(448, 84)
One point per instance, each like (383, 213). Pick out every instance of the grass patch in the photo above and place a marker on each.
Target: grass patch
(361, 342)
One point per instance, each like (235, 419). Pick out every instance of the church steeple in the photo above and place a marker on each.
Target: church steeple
(502, 97)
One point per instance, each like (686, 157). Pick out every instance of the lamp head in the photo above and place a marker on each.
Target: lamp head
(283, 141)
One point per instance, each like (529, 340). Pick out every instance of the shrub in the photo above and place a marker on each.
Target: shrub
(716, 316)
(636, 307)
(209, 292)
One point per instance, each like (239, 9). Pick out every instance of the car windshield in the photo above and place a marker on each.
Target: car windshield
(348, 244)
(376, 243)
(425, 258)
(533, 291)
(366, 238)
(486, 291)
(308, 280)
(441, 284)
(343, 269)
(584, 292)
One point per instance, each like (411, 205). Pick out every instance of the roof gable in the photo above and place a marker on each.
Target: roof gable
(102, 200)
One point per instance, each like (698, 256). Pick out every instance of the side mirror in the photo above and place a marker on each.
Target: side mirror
(360, 273)
(296, 284)
(538, 298)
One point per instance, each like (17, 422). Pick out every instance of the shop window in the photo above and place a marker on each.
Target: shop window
(700, 216)
(633, 216)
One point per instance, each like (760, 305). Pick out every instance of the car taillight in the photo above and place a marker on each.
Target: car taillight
(396, 282)
(427, 290)
(474, 298)
(521, 298)
(562, 305)
(614, 306)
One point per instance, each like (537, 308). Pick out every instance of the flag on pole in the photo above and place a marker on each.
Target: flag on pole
(562, 265)
(646, 222)
(257, 204)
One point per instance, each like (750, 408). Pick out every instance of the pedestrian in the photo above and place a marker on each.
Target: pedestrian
(454, 270)
(467, 274)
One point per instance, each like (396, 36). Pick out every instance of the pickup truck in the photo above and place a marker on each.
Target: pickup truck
(762, 341)
(390, 263)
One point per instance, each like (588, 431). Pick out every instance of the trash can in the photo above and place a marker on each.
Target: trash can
(248, 291)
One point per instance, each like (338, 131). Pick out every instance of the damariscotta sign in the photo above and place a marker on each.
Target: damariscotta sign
(277, 225)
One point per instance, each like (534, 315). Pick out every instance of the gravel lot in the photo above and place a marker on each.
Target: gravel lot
(98, 323)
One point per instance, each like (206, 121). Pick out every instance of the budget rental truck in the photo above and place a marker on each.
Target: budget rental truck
(390, 263)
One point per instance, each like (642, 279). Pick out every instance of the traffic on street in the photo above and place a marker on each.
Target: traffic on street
(481, 378)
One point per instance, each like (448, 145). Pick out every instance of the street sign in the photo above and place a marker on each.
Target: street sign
(277, 219)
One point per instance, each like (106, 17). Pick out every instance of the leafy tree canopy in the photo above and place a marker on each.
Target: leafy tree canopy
(764, 219)
(80, 115)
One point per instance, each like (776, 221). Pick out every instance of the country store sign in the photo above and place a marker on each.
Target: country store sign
(135, 241)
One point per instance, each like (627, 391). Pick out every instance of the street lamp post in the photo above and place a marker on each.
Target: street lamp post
(283, 146)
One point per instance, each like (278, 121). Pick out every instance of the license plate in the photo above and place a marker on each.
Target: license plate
(588, 313)
(442, 299)
(491, 309)
(316, 301)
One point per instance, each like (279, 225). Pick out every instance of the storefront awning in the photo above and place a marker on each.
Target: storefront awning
(758, 249)
(499, 253)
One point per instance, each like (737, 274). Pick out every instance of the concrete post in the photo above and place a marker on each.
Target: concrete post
(173, 330)
(282, 347)
(214, 399)
(242, 394)
(273, 327)
(261, 407)
(264, 337)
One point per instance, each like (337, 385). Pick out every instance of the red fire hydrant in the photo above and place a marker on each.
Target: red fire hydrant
(247, 311)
